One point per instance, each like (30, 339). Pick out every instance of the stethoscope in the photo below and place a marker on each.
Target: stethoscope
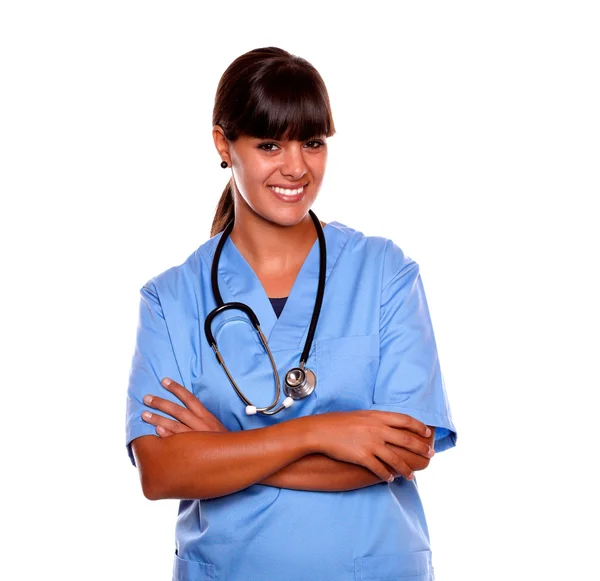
(300, 381)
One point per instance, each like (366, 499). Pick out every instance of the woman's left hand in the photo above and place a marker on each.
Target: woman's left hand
(194, 417)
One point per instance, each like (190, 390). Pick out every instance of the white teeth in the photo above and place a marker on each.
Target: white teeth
(287, 192)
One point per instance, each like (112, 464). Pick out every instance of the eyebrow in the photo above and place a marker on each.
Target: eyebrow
(317, 136)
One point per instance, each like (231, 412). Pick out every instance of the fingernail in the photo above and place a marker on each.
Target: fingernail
(147, 415)
(428, 432)
(391, 478)
(148, 399)
(431, 452)
(411, 475)
(160, 429)
(166, 381)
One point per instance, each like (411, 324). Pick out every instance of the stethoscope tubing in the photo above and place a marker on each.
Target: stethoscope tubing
(221, 307)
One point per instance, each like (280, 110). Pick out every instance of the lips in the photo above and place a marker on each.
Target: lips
(289, 198)
(287, 186)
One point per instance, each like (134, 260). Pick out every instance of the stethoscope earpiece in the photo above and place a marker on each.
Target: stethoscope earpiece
(299, 381)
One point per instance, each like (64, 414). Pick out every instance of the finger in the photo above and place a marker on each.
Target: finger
(184, 395)
(201, 418)
(158, 420)
(391, 470)
(160, 403)
(163, 432)
(175, 410)
(415, 461)
(408, 440)
(379, 469)
(397, 420)
(398, 464)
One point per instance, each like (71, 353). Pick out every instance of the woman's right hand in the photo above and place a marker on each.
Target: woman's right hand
(364, 437)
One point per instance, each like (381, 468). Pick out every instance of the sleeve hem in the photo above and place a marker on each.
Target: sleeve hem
(135, 432)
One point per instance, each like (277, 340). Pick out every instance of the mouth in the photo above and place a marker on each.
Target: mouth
(284, 191)
(289, 195)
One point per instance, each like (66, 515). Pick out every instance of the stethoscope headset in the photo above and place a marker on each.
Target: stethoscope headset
(300, 381)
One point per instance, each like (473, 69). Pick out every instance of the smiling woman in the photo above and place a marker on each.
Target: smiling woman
(271, 289)
(271, 119)
(291, 170)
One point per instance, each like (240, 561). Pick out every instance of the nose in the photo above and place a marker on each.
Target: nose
(293, 162)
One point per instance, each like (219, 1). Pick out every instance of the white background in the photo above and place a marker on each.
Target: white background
(468, 132)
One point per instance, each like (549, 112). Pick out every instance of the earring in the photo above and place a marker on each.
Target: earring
(223, 164)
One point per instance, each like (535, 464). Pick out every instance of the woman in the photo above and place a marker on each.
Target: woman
(314, 482)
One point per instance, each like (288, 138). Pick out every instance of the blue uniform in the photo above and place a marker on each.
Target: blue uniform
(374, 348)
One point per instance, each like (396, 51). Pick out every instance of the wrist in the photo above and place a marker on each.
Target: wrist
(308, 434)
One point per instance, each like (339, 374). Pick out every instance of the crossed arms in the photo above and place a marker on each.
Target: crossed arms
(195, 456)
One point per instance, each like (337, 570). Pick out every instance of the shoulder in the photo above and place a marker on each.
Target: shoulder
(374, 249)
(186, 275)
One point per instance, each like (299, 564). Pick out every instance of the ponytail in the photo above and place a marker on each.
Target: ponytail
(224, 213)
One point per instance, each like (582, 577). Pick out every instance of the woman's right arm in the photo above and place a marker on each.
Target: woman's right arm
(211, 464)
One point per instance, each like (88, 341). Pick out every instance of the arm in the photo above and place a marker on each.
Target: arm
(209, 464)
(193, 464)
(321, 473)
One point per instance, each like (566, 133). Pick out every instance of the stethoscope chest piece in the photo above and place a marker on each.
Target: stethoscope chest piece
(299, 383)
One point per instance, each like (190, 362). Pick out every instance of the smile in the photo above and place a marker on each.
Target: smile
(286, 192)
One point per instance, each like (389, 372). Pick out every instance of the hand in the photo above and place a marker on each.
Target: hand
(194, 417)
(415, 461)
(369, 438)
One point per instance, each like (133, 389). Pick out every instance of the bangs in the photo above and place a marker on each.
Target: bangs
(287, 104)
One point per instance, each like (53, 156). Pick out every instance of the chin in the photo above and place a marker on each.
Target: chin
(289, 217)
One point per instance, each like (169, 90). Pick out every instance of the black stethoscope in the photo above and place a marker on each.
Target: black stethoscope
(300, 382)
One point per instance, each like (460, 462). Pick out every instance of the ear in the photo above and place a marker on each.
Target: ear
(221, 143)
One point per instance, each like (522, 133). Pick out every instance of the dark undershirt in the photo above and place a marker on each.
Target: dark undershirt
(278, 305)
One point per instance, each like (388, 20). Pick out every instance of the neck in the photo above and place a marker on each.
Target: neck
(270, 248)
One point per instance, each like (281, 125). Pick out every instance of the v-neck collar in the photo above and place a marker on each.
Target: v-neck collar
(238, 282)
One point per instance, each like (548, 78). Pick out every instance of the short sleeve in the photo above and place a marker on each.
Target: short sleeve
(409, 379)
(153, 360)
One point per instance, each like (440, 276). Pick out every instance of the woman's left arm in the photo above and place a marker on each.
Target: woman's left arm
(321, 473)
(315, 472)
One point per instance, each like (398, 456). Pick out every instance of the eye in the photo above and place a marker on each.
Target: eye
(318, 144)
(263, 145)
(312, 144)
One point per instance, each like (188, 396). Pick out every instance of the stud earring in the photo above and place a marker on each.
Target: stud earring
(223, 164)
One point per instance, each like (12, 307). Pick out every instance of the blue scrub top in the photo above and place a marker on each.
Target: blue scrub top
(374, 348)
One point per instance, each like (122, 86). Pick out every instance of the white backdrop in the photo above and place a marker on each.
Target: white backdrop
(467, 132)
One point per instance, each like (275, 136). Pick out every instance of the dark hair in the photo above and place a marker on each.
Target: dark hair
(269, 93)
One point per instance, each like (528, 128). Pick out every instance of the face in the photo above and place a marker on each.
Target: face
(258, 165)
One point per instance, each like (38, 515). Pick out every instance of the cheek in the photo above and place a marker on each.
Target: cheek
(251, 181)
(317, 170)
